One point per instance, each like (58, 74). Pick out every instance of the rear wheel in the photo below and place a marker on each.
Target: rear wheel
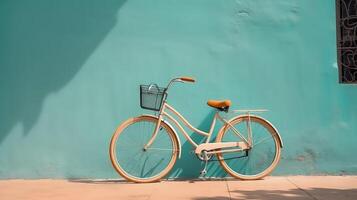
(256, 162)
(132, 161)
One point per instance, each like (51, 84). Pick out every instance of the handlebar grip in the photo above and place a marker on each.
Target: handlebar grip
(188, 79)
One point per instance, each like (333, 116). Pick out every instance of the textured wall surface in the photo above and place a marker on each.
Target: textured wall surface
(70, 70)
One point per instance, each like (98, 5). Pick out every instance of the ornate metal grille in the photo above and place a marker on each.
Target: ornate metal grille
(346, 22)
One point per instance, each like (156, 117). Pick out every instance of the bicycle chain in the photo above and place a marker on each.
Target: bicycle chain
(210, 160)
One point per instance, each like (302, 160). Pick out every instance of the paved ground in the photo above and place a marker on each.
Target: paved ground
(290, 188)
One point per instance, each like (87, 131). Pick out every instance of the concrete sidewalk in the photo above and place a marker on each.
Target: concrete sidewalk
(290, 188)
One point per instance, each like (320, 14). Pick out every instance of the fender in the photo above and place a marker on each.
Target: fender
(279, 137)
(276, 130)
(173, 130)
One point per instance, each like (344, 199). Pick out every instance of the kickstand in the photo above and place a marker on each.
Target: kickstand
(204, 171)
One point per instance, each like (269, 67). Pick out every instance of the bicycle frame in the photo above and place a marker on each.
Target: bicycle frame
(244, 144)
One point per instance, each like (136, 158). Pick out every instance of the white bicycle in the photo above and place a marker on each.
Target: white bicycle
(145, 148)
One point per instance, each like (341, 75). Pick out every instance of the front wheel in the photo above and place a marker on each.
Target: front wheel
(264, 154)
(136, 163)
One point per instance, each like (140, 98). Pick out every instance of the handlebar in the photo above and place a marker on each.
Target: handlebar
(181, 79)
(187, 79)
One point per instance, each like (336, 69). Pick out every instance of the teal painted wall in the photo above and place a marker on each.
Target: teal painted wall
(70, 70)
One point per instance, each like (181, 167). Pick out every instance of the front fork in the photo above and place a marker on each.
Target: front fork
(156, 130)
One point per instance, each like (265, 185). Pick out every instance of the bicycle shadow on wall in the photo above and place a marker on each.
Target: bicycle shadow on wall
(43, 46)
(189, 166)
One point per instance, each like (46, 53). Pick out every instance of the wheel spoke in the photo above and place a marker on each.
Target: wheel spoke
(262, 140)
(160, 149)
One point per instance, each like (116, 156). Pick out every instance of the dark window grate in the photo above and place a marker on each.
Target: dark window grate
(346, 22)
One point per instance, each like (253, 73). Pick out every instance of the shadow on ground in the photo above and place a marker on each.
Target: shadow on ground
(89, 181)
(123, 181)
(294, 194)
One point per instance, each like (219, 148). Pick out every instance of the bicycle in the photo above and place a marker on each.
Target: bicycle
(145, 148)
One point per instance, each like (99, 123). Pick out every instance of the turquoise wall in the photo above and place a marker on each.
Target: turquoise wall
(70, 70)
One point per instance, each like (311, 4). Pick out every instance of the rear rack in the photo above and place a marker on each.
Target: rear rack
(248, 111)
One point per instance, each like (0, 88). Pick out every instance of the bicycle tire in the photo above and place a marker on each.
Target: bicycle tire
(243, 166)
(134, 152)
